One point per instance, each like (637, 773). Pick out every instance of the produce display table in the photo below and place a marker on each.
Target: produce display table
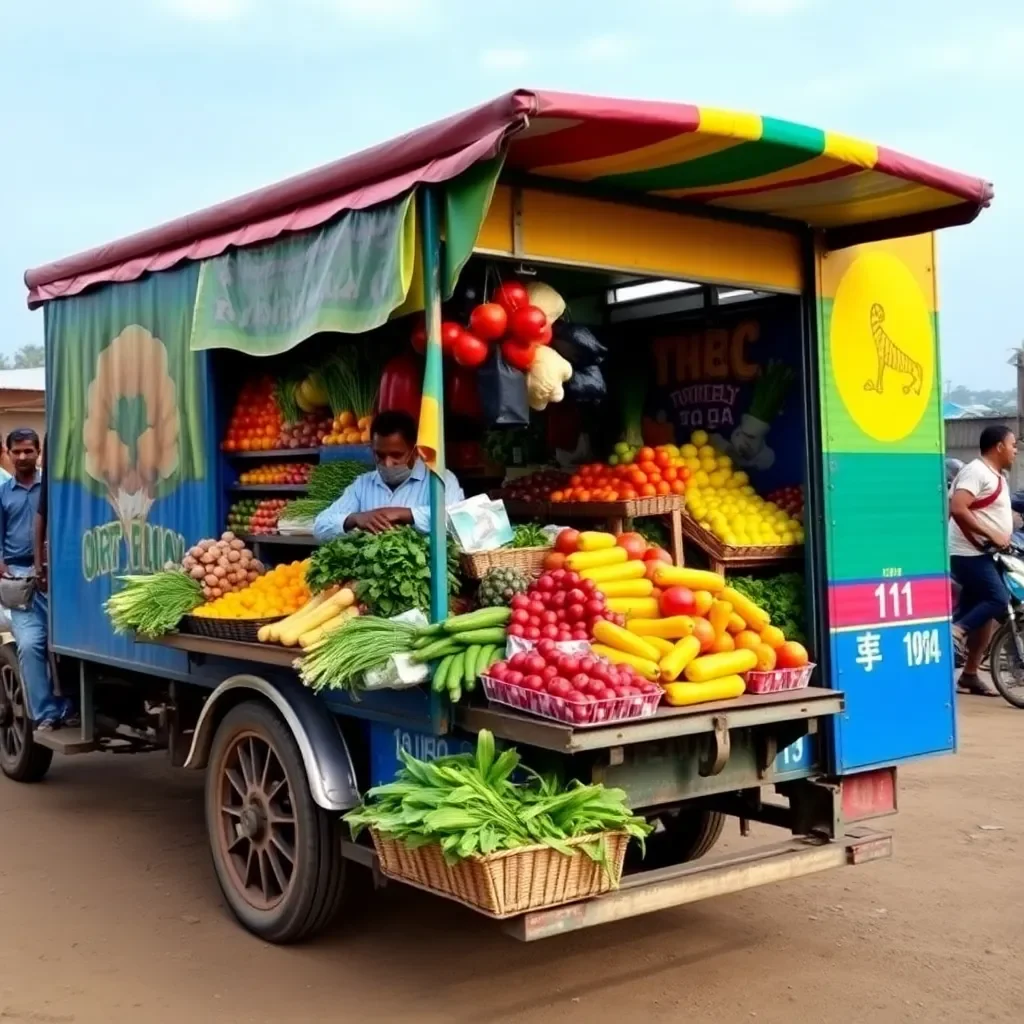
(722, 558)
(618, 515)
(262, 654)
(742, 712)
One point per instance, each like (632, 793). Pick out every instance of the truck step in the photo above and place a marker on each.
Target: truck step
(64, 741)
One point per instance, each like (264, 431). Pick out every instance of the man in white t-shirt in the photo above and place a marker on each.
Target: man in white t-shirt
(980, 518)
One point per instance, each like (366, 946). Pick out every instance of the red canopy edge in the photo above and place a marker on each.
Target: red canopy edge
(436, 153)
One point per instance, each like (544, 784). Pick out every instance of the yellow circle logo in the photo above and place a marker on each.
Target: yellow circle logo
(882, 347)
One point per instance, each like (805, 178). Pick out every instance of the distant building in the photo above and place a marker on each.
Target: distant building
(963, 433)
(23, 400)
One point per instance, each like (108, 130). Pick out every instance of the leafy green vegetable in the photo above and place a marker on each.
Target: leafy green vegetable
(469, 805)
(327, 481)
(529, 535)
(652, 531)
(782, 597)
(304, 509)
(350, 377)
(391, 570)
(153, 605)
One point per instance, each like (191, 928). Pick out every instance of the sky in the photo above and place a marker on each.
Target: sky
(116, 115)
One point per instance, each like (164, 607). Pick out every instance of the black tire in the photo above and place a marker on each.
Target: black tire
(279, 911)
(21, 760)
(1007, 670)
(682, 836)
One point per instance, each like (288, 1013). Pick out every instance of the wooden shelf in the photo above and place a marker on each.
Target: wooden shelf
(263, 654)
(269, 488)
(277, 453)
(302, 540)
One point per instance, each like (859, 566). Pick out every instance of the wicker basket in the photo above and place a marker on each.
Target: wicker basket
(242, 631)
(529, 560)
(748, 554)
(634, 508)
(510, 882)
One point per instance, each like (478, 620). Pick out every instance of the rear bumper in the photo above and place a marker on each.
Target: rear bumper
(649, 891)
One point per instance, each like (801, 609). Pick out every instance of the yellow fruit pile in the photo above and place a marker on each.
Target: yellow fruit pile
(346, 428)
(722, 500)
(281, 591)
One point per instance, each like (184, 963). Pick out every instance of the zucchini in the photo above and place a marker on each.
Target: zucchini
(438, 649)
(455, 694)
(469, 667)
(486, 659)
(439, 683)
(480, 619)
(492, 635)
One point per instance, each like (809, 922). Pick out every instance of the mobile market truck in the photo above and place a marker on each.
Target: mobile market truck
(726, 327)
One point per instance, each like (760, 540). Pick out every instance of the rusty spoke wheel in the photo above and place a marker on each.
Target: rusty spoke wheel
(276, 853)
(20, 759)
(256, 820)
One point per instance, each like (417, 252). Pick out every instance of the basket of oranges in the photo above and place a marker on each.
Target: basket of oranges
(239, 615)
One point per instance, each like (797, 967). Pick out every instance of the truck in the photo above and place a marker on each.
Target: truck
(707, 248)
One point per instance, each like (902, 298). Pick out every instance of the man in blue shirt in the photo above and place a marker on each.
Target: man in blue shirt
(19, 503)
(396, 493)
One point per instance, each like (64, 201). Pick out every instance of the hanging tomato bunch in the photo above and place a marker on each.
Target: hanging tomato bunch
(509, 319)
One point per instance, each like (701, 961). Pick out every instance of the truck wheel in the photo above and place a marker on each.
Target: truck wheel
(683, 835)
(20, 758)
(276, 853)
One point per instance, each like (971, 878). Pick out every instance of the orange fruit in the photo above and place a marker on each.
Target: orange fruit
(722, 644)
(773, 637)
(705, 633)
(702, 602)
(748, 640)
(792, 655)
(765, 658)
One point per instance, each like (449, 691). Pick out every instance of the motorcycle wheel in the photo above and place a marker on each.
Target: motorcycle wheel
(1007, 667)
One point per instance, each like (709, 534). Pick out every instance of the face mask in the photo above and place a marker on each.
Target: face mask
(394, 476)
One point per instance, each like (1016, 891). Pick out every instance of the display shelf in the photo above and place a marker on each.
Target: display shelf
(277, 453)
(302, 540)
(722, 558)
(269, 488)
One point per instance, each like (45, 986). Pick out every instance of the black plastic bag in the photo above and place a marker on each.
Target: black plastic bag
(587, 384)
(577, 344)
(503, 392)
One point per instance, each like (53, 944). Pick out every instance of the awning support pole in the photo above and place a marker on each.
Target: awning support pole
(431, 238)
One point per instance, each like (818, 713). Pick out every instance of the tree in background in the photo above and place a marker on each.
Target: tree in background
(28, 357)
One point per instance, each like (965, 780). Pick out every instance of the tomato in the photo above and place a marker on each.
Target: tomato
(518, 356)
(567, 542)
(635, 545)
(469, 350)
(451, 332)
(792, 655)
(527, 323)
(555, 560)
(678, 601)
(510, 296)
(488, 321)
(419, 337)
(545, 336)
(656, 554)
(645, 455)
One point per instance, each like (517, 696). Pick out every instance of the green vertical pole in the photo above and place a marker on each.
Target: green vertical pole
(433, 384)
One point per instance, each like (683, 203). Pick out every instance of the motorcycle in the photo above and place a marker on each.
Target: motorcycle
(1006, 649)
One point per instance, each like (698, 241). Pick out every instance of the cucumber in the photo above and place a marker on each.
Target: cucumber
(483, 618)
(492, 635)
(455, 694)
(439, 683)
(484, 661)
(498, 654)
(438, 649)
(469, 670)
(453, 680)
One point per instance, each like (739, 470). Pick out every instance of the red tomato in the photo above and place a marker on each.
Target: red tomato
(518, 356)
(527, 323)
(634, 544)
(678, 601)
(469, 350)
(451, 332)
(488, 321)
(545, 336)
(419, 337)
(567, 542)
(657, 555)
(791, 655)
(510, 296)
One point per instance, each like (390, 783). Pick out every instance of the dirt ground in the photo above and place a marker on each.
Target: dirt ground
(109, 912)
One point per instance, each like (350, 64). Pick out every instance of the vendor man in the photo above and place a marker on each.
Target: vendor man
(396, 493)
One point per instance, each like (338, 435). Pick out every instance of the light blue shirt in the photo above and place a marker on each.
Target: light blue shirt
(369, 491)
(18, 505)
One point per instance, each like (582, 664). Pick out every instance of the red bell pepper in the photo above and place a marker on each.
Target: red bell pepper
(401, 385)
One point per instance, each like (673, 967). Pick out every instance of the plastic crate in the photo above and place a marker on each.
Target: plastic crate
(780, 679)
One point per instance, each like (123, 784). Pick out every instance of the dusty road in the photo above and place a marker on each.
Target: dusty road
(109, 912)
